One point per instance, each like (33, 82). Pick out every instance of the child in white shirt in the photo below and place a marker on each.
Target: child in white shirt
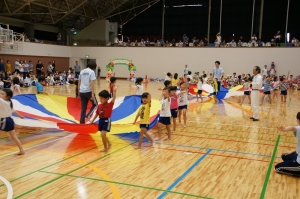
(165, 113)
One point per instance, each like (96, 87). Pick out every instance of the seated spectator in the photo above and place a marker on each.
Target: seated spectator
(180, 43)
(136, 43)
(250, 44)
(128, 42)
(240, 44)
(273, 44)
(205, 42)
(143, 42)
(201, 43)
(259, 43)
(71, 78)
(294, 40)
(162, 42)
(173, 42)
(147, 43)
(224, 44)
(39, 86)
(232, 43)
(167, 44)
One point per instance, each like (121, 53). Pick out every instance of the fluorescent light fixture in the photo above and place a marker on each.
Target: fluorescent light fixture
(232, 34)
(75, 44)
(182, 6)
(288, 37)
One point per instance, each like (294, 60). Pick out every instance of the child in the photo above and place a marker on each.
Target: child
(168, 76)
(112, 85)
(174, 106)
(199, 86)
(265, 71)
(6, 122)
(215, 89)
(183, 103)
(283, 88)
(144, 114)
(175, 80)
(272, 70)
(267, 90)
(139, 86)
(167, 83)
(49, 68)
(247, 91)
(15, 87)
(104, 112)
(290, 164)
(165, 113)
(276, 87)
(39, 86)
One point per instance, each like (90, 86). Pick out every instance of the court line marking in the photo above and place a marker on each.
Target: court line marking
(113, 187)
(39, 145)
(233, 125)
(55, 179)
(18, 178)
(184, 174)
(10, 191)
(127, 184)
(264, 188)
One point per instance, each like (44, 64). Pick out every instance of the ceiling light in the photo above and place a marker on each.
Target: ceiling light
(182, 6)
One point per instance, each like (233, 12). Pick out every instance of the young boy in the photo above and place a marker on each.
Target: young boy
(267, 90)
(104, 112)
(165, 113)
(39, 86)
(291, 160)
(283, 88)
(144, 114)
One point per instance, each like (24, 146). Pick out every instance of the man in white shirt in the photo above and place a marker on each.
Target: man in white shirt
(86, 89)
(218, 73)
(256, 86)
(17, 65)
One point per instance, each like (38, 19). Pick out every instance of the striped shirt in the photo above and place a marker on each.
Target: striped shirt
(267, 86)
(283, 86)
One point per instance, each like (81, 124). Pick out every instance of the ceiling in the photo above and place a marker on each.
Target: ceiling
(73, 13)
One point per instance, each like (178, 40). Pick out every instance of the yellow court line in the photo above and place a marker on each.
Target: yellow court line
(113, 187)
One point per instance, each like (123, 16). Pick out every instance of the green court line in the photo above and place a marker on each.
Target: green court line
(61, 161)
(46, 183)
(264, 188)
(127, 184)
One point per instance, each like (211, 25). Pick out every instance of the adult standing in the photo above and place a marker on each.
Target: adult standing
(256, 86)
(39, 68)
(2, 65)
(7, 66)
(98, 72)
(277, 38)
(218, 73)
(53, 64)
(77, 68)
(17, 65)
(86, 90)
(30, 67)
(58, 38)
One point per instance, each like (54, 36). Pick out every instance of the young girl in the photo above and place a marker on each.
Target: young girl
(144, 114)
(174, 105)
(15, 87)
(168, 76)
(247, 91)
(276, 87)
(283, 88)
(112, 85)
(272, 70)
(139, 86)
(199, 85)
(267, 90)
(175, 80)
(6, 122)
(183, 102)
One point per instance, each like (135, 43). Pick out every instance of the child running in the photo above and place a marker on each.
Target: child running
(174, 106)
(291, 160)
(144, 114)
(199, 86)
(183, 103)
(139, 86)
(247, 91)
(104, 112)
(267, 90)
(283, 88)
(6, 122)
(165, 113)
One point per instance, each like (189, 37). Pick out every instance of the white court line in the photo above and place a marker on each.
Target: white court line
(37, 145)
(233, 125)
(9, 188)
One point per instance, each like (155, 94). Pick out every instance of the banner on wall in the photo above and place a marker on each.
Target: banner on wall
(125, 62)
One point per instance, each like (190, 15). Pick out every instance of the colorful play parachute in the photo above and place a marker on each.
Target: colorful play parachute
(52, 111)
(224, 93)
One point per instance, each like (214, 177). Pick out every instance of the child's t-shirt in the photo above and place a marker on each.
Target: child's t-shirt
(267, 86)
(183, 99)
(175, 82)
(144, 114)
(283, 86)
(246, 86)
(16, 89)
(297, 134)
(39, 87)
(174, 101)
(265, 72)
(140, 89)
(105, 110)
(199, 85)
(6, 110)
(165, 110)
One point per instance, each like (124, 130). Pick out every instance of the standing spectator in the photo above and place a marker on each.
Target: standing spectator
(205, 42)
(218, 73)
(256, 86)
(184, 38)
(17, 65)
(277, 38)
(98, 72)
(30, 66)
(218, 38)
(77, 68)
(39, 68)
(58, 38)
(26, 69)
(253, 39)
(53, 64)
(86, 89)
(294, 40)
(50, 68)
(7, 66)
(2, 66)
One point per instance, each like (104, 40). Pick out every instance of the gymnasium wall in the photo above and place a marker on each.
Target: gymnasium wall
(155, 61)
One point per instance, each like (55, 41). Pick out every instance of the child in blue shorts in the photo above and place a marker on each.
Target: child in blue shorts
(165, 113)
(6, 122)
(104, 112)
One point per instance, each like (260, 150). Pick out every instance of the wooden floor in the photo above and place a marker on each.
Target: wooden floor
(221, 154)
